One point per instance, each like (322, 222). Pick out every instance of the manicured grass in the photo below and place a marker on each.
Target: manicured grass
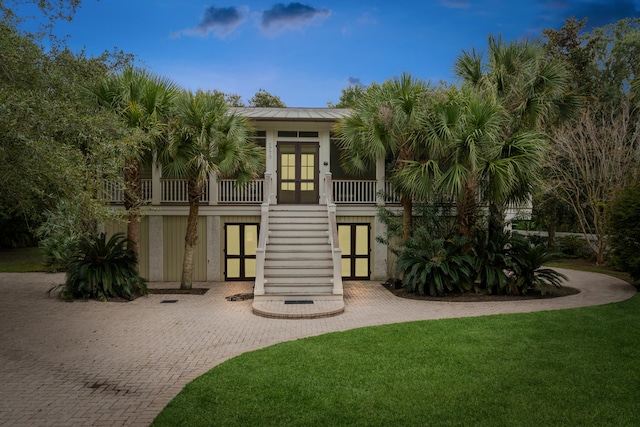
(570, 367)
(21, 260)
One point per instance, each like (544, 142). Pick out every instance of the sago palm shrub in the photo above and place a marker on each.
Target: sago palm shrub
(492, 263)
(104, 268)
(434, 266)
(527, 262)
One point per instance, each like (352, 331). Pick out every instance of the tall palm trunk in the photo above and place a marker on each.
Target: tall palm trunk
(133, 203)
(467, 207)
(407, 217)
(496, 220)
(191, 236)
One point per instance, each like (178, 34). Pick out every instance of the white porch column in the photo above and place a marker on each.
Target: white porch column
(156, 248)
(380, 252)
(214, 250)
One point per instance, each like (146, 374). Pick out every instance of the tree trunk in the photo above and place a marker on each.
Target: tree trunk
(133, 204)
(191, 236)
(496, 220)
(466, 207)
(407, 217)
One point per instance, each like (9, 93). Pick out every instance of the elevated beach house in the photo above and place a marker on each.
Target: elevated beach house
(297, 232)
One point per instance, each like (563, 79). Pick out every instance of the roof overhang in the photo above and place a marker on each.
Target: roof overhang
(292, 114)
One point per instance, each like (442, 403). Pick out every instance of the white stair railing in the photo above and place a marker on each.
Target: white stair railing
(258, 288)
(336, 252)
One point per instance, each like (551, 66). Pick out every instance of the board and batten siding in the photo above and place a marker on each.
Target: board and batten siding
(112, 228)
(174, 229)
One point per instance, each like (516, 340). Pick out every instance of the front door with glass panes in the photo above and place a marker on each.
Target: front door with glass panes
(240, 251)
(297, 173)
(354, 243)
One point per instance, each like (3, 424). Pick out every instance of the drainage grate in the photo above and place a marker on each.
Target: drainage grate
(298, 302)
(168, 301)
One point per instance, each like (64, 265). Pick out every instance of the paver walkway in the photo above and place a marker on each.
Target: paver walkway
(111, 364)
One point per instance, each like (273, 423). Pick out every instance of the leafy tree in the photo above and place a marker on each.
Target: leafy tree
(232, 99)
(104, 268)
(51, 10)
(571, 45)
(349, 97)
(204, 138)
(385, 123)
(624, 230)
(143, 101)
(55, 144)
(617, 57)
(262, 98)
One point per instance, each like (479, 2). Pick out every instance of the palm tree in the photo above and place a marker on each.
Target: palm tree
(385, 123)
(534, 92)
(204, 137)
(143, 101)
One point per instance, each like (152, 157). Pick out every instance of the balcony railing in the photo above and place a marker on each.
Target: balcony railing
(177, 191)
(354, 191)
(251, 192)
(115, 193)
(174, 191)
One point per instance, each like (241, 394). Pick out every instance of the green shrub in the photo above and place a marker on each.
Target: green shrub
(492, 263)
(573, 246)
(624, 231)
(435, 265)
(59, 235)
(526, 263)
(103, 268)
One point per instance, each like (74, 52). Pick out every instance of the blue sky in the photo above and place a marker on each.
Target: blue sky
(307, 51)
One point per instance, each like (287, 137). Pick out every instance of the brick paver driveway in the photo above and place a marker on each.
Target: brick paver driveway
(93, 363)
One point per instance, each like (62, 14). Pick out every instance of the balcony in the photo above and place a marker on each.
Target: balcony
(174, 191)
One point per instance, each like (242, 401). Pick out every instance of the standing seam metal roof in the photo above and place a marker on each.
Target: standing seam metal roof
(293, 114)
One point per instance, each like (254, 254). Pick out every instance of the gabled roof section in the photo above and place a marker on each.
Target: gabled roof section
(293, 114)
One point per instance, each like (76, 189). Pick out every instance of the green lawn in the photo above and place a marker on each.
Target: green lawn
(575, 367)
(21, 260)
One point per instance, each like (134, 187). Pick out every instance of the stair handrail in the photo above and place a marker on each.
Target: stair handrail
(258, 288)
(336, 252)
